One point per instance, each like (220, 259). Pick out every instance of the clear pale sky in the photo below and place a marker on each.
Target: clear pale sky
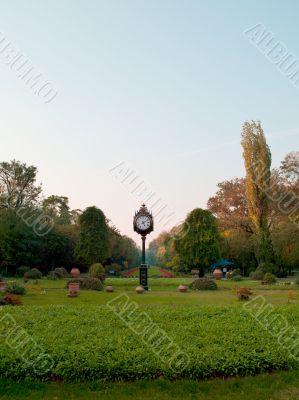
(163, 86)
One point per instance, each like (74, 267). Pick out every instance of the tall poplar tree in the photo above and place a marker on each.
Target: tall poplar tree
(257, 159)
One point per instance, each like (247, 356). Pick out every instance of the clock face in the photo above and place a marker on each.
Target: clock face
(143, 222)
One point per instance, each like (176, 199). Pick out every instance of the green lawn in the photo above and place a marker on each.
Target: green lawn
(278, 386)
(78, 327)
(163, 292)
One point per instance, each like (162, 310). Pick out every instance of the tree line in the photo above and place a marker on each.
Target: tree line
(250, 220)
(45, 233)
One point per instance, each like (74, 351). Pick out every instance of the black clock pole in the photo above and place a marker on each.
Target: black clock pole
(143, 223)
(143, 249)
(143, 267)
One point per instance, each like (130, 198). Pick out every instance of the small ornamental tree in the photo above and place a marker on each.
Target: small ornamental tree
(199, 240)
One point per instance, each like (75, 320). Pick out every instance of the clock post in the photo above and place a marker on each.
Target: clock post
(143, 224)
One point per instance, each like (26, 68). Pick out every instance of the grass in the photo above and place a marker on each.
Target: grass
(163, 292)
(278, 386)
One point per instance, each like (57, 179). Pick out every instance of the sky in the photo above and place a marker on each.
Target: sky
(157, 90)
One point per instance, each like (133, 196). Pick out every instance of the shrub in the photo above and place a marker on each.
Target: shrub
(297, 280)
(268, 267)
(257, 275)
(243, 293)
(237, 278)
(22, 270)
(11, 299)
(88, 283)
(58, 273)
(15, 288)
(204, 284)
(262, 269)
(269, 278)
(34, 273)
(61, 272)
(232, 274)
(97, 271)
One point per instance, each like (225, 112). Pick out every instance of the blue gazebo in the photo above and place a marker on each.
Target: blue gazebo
(222, 264)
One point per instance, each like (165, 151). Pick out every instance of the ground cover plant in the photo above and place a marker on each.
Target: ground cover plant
(91, 343)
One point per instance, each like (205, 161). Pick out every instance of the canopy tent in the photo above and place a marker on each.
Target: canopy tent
(221, 263)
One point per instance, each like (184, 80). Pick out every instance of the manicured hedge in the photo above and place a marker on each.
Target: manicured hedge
(90, 343)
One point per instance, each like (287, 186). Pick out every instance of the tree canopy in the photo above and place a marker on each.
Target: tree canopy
(199, 244)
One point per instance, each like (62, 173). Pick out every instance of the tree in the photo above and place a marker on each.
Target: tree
(19, 245)
(123, 249)
(286, 243)
(257, 158)
(58, 208)
(289, 167)
(18, 185)
(200, 241)
(229, 205)
(93, 243)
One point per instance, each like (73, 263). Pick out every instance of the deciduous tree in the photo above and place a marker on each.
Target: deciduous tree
(199, 245)
(93, 243)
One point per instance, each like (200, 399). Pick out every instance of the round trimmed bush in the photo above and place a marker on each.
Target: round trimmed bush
(88, 283)
(61, 273)
(58, 273)
(34, 273)
(97, 271)
(204, 284)
(262, 269)
(269, 278)
(257, 275)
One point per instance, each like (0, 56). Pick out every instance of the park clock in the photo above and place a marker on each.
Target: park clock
(143, 223)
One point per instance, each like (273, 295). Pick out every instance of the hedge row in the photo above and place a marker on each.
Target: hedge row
(91, 343)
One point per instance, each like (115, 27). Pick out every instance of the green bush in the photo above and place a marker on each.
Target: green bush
(96, 270)
(58, 273)
(22, 270)
(262, 269)
(204, 284)
(34, 273)
(88, 283)
(257, 275)
(269, 278)
(297, 280)
(233, 273)
(268, 267)
(237, 278)
(15, 288)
